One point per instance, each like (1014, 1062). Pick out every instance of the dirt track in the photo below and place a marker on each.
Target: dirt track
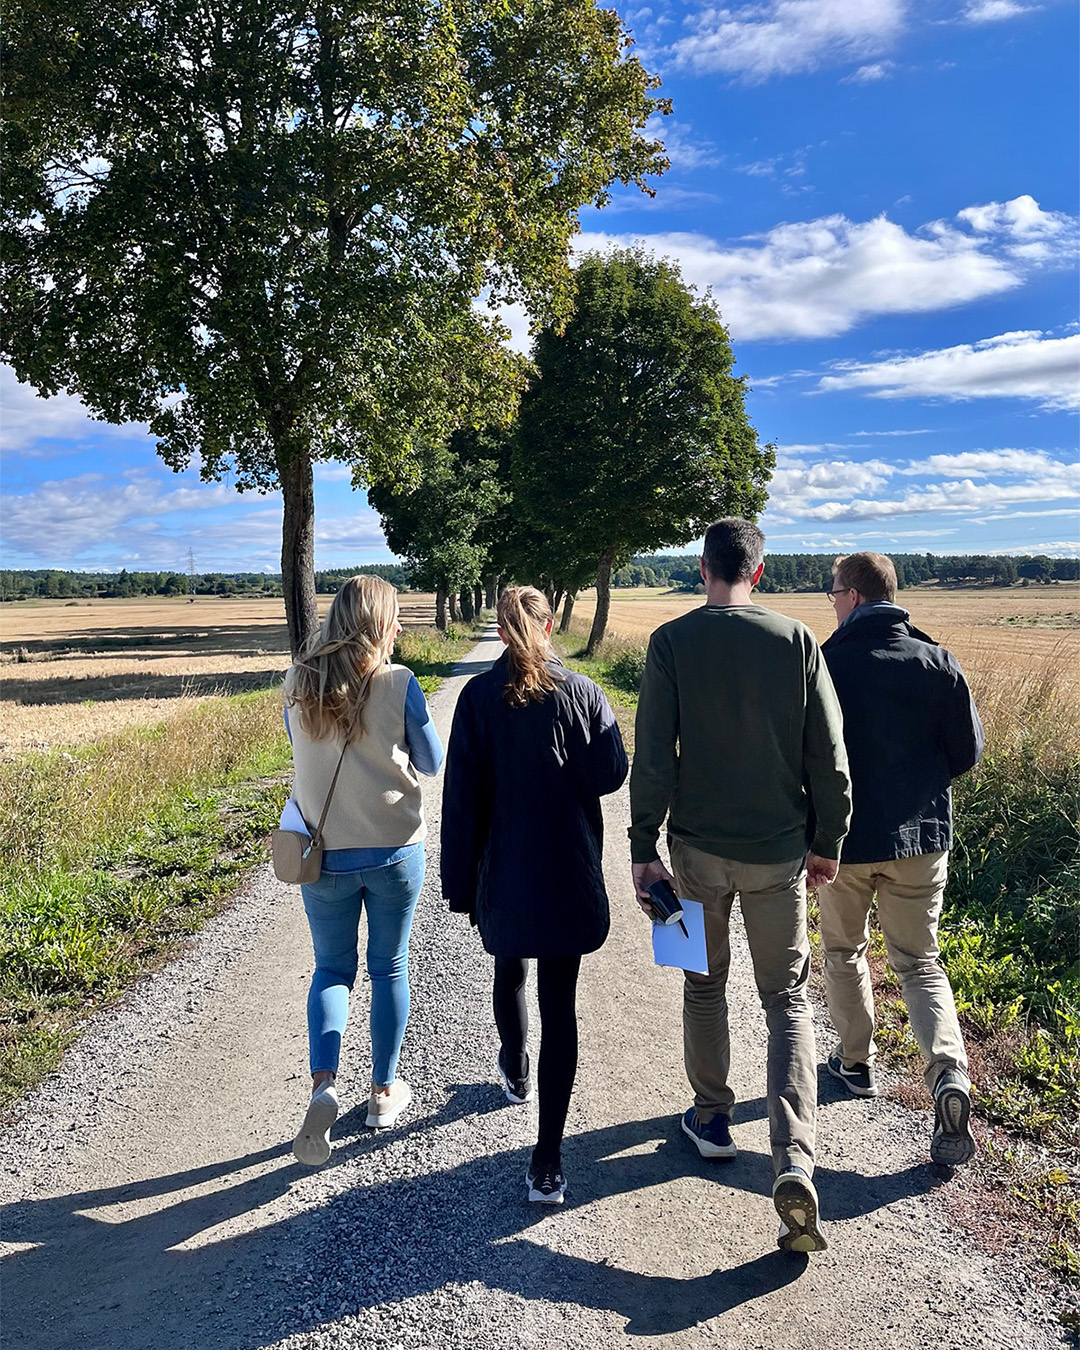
(151, 1199)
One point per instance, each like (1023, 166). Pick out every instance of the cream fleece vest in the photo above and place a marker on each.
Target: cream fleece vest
(377, 802)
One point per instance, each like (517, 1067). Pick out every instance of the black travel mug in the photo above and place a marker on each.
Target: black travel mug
(665, 904)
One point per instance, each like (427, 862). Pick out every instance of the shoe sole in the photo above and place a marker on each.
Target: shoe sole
(312, 1145)
(855, 1090)
(388, 1118)
(953, 1143)
(510, 1097)
(707, 1150)
(539, 1198)
(796, 1204)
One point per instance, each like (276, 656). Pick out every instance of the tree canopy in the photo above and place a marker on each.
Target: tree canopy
(634, 432)
(262, 228)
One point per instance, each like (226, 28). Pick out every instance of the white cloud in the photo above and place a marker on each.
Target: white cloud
(786, 37)
(981, 463)
(827, 478)
(871, 74)
(26, 420)
(1023, 365)
(684, 147)
(914, 431)
(993, 11)
(820, 278)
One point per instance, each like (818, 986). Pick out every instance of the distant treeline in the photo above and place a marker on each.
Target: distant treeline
(813, 571)
(56, 585)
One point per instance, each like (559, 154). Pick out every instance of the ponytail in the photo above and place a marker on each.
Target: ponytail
(523, 614)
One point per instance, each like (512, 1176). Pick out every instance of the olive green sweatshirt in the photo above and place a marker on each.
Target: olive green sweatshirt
(739, 740)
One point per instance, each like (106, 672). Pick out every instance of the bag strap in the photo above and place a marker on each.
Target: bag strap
(317, 836)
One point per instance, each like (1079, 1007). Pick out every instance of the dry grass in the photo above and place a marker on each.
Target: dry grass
(74, 673)
(1008, 629)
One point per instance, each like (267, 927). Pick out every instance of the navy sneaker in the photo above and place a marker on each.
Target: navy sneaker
(714, 1139)
(796, 1202)
(857, 1078)
(546, 1183)
(953, 1143)
(518, 1090)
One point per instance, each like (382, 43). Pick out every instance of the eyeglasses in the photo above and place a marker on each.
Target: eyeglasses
(842, 591)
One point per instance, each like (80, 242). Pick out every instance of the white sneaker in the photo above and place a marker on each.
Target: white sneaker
(383, 1108)
(312, 1144)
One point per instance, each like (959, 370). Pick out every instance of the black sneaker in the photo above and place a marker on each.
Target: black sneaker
(858, 1078)
(953, 1143)
(797, 1204)
(518, 1090)
(546, 1183)
(712, 1140)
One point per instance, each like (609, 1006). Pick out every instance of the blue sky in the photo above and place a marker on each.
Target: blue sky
(882, 195)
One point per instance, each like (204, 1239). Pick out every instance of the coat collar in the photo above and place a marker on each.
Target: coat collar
(875, 625)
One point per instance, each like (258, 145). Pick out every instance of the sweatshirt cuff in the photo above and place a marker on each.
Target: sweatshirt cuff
(827, 846)
(642, 851)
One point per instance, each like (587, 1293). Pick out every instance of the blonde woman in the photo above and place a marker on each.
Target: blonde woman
(533, 749)
(343, 688)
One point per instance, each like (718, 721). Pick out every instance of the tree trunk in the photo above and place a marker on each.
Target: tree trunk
(568, 611)
(478, 598)
(440, 608)
(603, 601)
(556, 600)
(466, 604)
(452, 598)
(491, 592)
(298, 544)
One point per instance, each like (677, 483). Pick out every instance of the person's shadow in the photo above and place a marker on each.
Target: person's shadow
(167, 1278)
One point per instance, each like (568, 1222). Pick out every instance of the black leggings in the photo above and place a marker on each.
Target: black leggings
(556, 992)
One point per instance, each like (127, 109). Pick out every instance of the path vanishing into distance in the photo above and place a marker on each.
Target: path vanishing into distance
(151, 1200)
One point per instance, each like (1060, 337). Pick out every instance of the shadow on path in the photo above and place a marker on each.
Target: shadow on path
(164, 1277)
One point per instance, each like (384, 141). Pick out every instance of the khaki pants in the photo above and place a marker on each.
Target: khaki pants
(909, 896)
(772, 897)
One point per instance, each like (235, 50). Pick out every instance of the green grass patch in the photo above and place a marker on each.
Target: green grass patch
(117, 851)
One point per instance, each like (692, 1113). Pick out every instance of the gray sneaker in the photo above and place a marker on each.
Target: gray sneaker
(312, 1145)
(384, 1108)
(953, 1142)
(797, 1204)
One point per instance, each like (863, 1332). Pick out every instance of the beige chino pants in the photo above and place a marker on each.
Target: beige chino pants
(772, 897)
(909, 896)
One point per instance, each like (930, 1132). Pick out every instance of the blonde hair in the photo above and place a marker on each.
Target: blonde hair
(523, 614)
(871, 574)
(329, 682)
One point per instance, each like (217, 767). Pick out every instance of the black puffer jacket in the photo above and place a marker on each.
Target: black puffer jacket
(522, 830)
(910, 727)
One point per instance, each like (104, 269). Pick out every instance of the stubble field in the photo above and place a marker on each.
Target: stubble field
(74, 672)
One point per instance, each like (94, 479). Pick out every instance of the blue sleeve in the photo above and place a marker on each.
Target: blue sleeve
(288, 729)
(425, 748)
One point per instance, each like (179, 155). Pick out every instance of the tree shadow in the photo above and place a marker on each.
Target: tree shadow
(100, 1268)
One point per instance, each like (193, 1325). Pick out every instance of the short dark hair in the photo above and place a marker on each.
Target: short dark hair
(871, 574)
(734, 549)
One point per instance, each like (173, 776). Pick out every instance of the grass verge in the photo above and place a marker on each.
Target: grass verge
(117, 851)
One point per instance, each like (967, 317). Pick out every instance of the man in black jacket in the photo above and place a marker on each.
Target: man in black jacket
(910, 727)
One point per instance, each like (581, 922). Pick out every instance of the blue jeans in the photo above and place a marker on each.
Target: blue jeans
(333, 905)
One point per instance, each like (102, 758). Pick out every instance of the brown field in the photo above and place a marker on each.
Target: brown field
(74, 671)
(1008, 630)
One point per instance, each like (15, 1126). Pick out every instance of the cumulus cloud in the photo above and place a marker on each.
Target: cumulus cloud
(820, 278)
(839, 490)
(1014, 365)
(754, 42)
(30, 425)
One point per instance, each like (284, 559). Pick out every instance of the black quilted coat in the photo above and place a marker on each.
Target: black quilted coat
(522, 831)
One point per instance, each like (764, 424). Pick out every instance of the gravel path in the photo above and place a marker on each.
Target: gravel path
(150, 1198)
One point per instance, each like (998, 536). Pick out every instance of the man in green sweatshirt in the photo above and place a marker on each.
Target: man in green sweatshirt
(739, 744)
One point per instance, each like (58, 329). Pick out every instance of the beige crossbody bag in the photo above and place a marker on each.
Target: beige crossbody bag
(298, 857)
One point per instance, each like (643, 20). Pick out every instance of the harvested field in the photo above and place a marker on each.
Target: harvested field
(1003, 630)
(76, 671)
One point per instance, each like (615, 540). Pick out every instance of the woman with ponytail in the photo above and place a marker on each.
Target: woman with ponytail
(345, 702)
(532, 750)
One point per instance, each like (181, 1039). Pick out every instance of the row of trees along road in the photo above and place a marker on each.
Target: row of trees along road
(261, 228)
(632, 433)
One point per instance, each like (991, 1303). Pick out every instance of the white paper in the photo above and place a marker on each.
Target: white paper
(685, 951)
(291, 819)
